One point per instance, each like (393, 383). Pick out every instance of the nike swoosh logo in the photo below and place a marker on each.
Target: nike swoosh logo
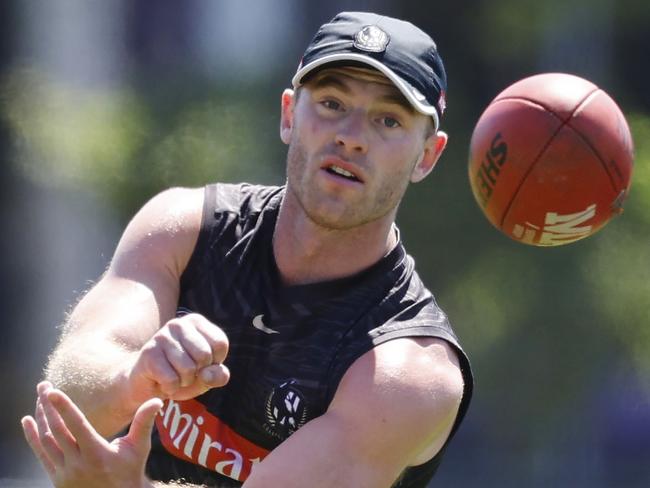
(258, 323)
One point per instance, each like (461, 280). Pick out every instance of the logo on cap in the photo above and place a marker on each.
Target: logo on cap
(371, 38)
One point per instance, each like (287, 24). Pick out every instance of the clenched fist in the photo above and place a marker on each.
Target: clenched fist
(182, 360)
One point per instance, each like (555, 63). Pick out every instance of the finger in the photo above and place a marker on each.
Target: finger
(215, 375)
(181, 361)
(193, 342)
(30, 430)
(43, 386)
(41, 421)
(140, 431)
(46, 439)
(64, 439)
(75, 421)
(216, 338)
(162, 372)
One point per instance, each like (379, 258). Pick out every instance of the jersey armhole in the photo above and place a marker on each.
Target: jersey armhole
(207, 214)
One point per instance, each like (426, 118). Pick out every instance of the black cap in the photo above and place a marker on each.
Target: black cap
(401, 51)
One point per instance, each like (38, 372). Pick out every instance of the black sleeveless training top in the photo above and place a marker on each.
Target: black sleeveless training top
(289, 345)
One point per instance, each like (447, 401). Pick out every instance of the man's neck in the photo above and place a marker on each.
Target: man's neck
(308, 253)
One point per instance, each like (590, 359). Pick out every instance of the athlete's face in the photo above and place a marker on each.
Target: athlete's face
(354, 145)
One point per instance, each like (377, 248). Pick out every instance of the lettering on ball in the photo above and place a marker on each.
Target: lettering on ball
(488, 172)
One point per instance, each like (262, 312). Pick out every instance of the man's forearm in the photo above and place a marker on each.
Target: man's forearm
(91, 370)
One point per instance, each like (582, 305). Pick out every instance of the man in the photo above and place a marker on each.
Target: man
(285, 328)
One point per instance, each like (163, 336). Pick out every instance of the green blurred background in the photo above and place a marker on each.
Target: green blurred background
(105, 103)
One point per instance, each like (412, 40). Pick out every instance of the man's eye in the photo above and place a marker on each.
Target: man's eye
(390, 122)
(331, 104)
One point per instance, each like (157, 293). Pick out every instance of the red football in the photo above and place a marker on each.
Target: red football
(551, 159)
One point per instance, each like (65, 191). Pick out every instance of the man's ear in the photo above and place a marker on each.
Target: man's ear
(433, 148)
(286, 115)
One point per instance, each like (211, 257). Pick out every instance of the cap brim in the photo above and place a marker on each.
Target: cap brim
(412, 95)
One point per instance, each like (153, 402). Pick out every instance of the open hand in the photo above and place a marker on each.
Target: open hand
(74, 455)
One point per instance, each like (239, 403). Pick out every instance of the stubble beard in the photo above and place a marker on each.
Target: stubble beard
(300, 184)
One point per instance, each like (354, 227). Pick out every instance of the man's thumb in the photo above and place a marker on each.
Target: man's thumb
(142, 424)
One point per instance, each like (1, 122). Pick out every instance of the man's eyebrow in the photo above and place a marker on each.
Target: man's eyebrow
(395, 97)
(327, 80)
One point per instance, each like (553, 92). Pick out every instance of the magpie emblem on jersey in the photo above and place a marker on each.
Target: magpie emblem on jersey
(286, 410)
(372, 39)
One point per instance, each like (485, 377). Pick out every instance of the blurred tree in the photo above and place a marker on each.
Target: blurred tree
(125, 146)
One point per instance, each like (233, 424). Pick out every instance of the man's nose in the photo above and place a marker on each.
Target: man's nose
(353, 132)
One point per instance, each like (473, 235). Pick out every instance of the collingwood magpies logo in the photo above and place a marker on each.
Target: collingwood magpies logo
(371, 38)
(286, 410)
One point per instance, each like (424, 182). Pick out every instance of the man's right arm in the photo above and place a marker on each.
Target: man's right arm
(121, 344)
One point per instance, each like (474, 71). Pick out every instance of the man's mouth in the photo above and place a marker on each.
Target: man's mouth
(343, 169)
(336, 170)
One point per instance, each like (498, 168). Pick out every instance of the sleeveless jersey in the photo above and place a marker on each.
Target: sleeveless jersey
(289, 345)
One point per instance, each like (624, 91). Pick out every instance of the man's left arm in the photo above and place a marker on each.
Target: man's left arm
(394, 408)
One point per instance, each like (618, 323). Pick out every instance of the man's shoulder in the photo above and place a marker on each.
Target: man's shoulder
(159, 239)
(415, 385)
(169, 212)
(411, 362)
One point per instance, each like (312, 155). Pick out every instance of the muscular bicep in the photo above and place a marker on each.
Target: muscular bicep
(124, 310)
(139, 290)
(394, 408)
